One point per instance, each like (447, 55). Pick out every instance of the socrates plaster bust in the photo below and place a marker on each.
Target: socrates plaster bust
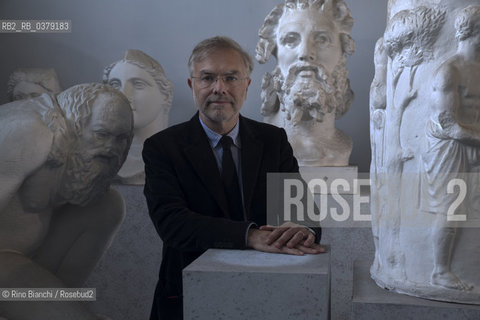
(26, 83)
(57, 212)
(309, 88)
(150, 93)
(425, 131)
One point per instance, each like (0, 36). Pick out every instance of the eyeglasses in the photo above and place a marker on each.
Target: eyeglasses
(207, 80)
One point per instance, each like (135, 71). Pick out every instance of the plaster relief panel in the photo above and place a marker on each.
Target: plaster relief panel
(425, 130)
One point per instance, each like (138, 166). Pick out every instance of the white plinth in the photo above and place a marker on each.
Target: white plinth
(247, 284)
(370, 302)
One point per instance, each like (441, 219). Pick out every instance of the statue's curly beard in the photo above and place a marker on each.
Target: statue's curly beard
(87, 177)
(306, 98)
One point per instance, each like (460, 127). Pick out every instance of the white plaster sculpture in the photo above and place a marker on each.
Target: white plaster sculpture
(150, 93)
(26, 83)
(309, 89)
(57, 212)
(425, 133)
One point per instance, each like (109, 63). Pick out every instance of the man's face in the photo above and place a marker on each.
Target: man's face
(141, 90)
(220, 103)
(307, 37)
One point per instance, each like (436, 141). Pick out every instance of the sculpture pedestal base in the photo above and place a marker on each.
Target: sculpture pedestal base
(330, 174)
(372, 302)
(123, 290)
(247, 284)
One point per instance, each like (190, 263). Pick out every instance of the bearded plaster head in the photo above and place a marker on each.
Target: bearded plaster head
(95, 141)
(310, 40)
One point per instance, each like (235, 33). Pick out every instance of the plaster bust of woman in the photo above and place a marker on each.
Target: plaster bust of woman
(142, 80)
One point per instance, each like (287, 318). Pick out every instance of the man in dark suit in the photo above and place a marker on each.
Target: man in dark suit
(189, 168)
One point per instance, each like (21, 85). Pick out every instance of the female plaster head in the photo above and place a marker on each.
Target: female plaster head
(144, 83)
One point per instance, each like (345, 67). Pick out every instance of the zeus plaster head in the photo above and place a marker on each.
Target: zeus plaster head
(310, 40)
(144, 83)
(25, 83)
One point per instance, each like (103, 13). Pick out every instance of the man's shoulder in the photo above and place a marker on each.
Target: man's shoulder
(177, 131)
(263, 130)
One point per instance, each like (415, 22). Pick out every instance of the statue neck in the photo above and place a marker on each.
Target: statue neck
(469, 50)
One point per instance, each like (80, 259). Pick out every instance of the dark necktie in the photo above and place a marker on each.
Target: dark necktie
(230, 181)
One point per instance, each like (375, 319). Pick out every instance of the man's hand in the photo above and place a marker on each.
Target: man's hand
(289, 234)
(258, 239)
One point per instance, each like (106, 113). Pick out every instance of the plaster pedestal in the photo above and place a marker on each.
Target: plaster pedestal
(247, 284)
(330, 174)
(126, 276)
(372, 303)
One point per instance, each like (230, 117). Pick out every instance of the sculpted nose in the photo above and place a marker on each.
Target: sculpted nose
(114, 148)
(128, 91)
(307, 52)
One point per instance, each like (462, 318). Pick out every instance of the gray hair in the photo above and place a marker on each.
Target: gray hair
(144, 61)
(45, 78)
(468, 22)
(336, 9)
(207, 46)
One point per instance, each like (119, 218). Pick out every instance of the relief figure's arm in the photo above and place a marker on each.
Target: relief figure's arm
(445, 104)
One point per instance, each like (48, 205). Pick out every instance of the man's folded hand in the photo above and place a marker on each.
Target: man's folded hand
(288, 238)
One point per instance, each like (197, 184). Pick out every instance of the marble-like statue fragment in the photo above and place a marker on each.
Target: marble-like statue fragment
(143, 81)
(425, 134)
(378, 104)
(57, 212)
(26, 83)
(453, 129)
(309, 88)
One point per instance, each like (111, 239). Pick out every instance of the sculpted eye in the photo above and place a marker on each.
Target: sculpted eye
(115, 83)
(101, 134)
(291, 39)
(322, 39)
(122, 137)
(140, 84)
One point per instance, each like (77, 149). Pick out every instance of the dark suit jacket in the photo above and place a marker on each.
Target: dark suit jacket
(185, 195)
